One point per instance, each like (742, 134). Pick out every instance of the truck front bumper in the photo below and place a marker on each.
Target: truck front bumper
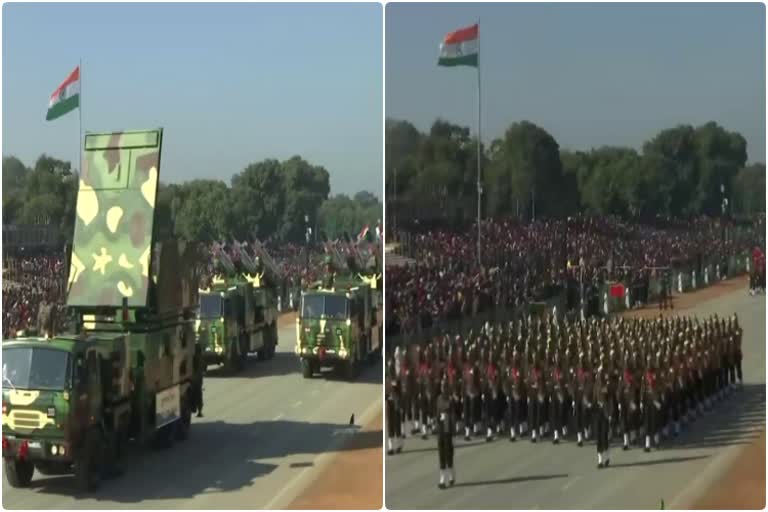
(322, 354)
(37, 450)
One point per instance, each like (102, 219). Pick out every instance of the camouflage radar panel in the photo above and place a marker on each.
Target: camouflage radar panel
(112, 245)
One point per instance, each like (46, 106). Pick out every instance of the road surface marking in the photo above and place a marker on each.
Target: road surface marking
(297, 404)
(314, 392)
(320, 464)
(278, 417)
(570, 483)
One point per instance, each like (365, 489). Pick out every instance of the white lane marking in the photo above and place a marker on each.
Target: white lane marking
(570, 483)
(297, 404)
(278, 417)
(314, 392)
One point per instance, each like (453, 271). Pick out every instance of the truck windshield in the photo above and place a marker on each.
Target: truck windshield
(36, 368)
(210, 306)
(332, 306)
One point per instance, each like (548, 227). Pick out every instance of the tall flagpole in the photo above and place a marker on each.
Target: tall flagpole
(80, 116)
(479, 155)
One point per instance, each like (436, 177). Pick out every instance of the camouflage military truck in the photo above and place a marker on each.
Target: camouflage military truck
(238, 312)
(335, 327)
(128, 369)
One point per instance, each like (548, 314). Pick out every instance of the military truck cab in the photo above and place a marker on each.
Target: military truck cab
(128, 369)
(236, 319)
(334, 329)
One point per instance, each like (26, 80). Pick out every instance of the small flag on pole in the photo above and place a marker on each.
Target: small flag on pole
(66, 97)
(460, 48)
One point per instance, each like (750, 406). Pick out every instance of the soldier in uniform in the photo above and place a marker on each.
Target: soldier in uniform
(629, 395)
(490, 396)
(394, 424)
(536, 391)
(515, 392)
(445, 431)
(556, 386)
(425, 400)
(651, 401)
(198, 364)
(471, 381)
(582, 399)
(329, 277)
(603, 410)
(408, 391)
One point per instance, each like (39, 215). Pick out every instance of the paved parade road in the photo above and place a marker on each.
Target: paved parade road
(522, 475)
(266, 435)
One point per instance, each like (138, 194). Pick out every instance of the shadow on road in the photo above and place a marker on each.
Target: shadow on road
(511, 480)
(219, 457)
(737, 419)
(284, 363)
(670, 460)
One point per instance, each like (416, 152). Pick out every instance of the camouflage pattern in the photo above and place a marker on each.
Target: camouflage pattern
(112, 246)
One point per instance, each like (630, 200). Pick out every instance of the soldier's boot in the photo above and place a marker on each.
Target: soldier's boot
(451, 476)
(647, 443)
(546, 429)
(541, 431)
(599, 460)
(477, 428)
(512, 434)
(441, 483)
(415, 429)
(390, 446)
(607, 457)
(533, 435)
(587, 433)
(677, 428)
(656, 441)
(467, 435)
(565, 431)
(626, 442)
(498, 428)
(556, 438)
(424, 431)
(489, 435)
(579, 439)
(404, 429)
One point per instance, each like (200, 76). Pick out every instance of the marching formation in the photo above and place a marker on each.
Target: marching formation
(540, 377)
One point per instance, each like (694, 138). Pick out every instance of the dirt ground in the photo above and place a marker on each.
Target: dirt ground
(354, 479)
(742, 486)
(690, 299)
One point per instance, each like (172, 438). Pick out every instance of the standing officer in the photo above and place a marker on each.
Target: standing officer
(445, 425)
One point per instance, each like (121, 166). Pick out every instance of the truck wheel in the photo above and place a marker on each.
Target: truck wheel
(306, 368)
(185, 423)
(19, 472)
(87, 464)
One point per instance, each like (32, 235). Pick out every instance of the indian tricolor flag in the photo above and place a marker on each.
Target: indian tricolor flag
(460, 48)
(66, 97)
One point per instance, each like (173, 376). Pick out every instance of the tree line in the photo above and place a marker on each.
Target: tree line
(682, 171)
(270, 199)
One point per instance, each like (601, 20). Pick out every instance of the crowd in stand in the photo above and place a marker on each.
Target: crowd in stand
(29, 280)
(525, 262)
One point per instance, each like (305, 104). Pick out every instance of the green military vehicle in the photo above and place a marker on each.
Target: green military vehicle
(128, 369)
(238, 312)
(335, 328)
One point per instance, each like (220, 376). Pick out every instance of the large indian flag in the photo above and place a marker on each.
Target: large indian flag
(460, 48)
(66, 97)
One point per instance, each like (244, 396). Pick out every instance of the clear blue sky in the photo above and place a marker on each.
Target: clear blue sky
(590, 74)
(230, 83)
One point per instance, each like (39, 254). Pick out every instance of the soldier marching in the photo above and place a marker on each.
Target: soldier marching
(640, 381)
